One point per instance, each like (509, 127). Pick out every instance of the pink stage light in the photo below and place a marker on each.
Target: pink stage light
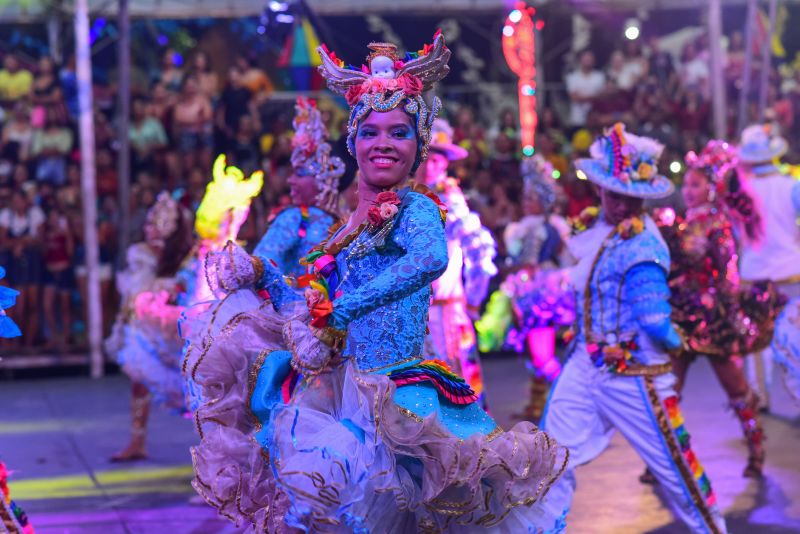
(519, 49)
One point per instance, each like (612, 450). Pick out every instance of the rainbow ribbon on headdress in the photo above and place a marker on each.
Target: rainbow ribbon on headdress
(449, 384)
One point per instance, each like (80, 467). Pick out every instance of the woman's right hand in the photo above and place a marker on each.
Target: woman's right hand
(232, 268)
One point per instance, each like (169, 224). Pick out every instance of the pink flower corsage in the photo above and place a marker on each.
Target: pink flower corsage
(385, 208)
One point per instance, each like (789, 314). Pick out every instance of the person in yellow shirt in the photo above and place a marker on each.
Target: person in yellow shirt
(15, 82)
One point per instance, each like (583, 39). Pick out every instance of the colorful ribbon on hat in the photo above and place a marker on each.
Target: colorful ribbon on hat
(439, 374)
(676, 421)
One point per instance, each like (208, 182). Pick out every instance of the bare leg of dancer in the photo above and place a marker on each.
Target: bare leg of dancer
(744, 402)
(140, 410)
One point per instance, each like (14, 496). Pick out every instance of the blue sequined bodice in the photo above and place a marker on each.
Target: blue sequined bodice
(283, 244)
(613, 298)
(629, 290)
(385, 289)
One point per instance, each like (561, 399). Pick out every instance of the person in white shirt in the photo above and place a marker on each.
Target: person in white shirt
(694, 72)
(584, 85)
(776, 256)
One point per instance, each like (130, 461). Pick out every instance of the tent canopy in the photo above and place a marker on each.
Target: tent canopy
(37, 10)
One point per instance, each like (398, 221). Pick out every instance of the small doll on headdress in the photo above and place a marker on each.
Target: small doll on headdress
(460, 291)
(349, 427)
(535, 299)
(721, 318)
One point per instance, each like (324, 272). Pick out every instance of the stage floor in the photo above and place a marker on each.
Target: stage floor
(57, 435)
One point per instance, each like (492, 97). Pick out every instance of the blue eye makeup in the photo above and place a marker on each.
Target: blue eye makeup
(403, 132)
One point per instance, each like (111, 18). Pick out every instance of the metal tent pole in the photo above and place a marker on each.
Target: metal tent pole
(766, 62)
(748, 65)
(123, 118)
(719, 107)
(88, 188)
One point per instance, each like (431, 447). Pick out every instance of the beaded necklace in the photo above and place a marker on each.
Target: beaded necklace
(323, 256)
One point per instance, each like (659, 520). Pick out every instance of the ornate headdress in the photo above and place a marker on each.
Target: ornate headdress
(162, 218)
(311, 154)
(389, 82)
(228, 192)
(626, 164)
(537, 176)
(715, 160)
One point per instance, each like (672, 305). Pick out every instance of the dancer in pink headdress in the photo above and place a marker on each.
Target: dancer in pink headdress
(721, 319)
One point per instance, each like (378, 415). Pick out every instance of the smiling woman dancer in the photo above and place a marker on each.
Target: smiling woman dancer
(353, 430)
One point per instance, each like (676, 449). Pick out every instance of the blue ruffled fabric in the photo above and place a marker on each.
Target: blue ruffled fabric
(8, 297)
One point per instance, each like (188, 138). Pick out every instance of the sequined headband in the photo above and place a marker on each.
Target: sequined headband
(389, 82)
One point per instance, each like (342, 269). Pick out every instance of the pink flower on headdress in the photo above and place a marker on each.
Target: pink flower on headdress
(410, 84)
(354, 94)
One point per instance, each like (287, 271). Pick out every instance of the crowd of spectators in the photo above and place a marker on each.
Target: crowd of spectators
(186, 114)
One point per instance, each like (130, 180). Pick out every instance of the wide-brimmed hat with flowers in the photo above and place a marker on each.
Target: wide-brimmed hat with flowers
(442, 141)
(760, 143)
(626, 164)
